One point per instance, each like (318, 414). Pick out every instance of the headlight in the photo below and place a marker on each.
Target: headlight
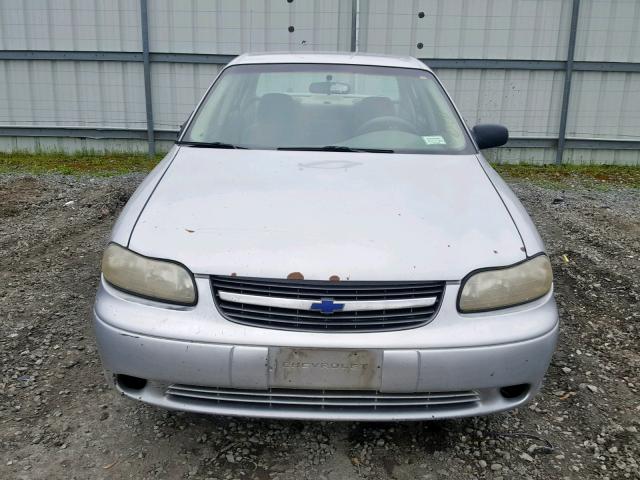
(506, 287)
(157, 279)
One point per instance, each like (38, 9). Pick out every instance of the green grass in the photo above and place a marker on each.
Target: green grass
(554, 176)
(565, 176)
(77, 164)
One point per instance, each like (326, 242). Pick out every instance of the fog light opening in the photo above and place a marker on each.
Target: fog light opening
(128, 382)
(514, 391)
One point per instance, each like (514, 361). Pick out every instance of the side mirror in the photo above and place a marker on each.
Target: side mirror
(489, 135)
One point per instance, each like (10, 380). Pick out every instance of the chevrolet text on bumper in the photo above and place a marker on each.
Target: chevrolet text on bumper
(325, 241)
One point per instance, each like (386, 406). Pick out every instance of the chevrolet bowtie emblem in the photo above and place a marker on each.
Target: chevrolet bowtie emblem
(327, 306)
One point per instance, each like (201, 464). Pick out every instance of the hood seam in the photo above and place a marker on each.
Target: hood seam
(515, 224)
(146, 202)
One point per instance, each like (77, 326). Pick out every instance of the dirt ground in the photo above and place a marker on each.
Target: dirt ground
(58, 419)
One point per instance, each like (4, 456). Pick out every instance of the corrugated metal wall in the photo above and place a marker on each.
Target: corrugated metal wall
(176, 88)
(104, 25)
(513, 29)
(605, 104)
(230, 27)
(96, 94)
(110, 94)
(528, 102)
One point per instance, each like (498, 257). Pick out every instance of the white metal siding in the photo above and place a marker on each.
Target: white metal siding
(593, 156)
(608, 31)
(71, 144)
(604, 105)
(111, 94)
(176, 89)
(66, 93)
(526, 102)
(106, 25)
(579, 156)
(536, 156)
(231, 27)
(499, 29)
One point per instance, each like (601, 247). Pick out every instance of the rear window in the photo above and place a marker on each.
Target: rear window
(364, 85)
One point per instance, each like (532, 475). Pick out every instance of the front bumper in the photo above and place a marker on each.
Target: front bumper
(222, 360)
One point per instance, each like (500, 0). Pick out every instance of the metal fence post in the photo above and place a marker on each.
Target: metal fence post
(354, 25)
(568, 72)
(144, 21)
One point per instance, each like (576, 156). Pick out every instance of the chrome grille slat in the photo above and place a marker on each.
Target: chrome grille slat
(321, 285)
(275, 322)
(287, 317)
(340, 294)
(323, 399)
(325, 402)
(278, 317)
(302, 393)
(299, 314)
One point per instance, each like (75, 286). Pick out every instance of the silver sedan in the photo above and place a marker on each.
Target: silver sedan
(326, 241)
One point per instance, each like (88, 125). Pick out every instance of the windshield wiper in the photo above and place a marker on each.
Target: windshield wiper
(210, 145)
(338, 148)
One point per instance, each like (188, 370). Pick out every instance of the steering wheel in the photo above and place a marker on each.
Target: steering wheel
(385, 123)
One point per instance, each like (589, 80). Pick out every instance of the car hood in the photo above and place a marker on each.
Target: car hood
(357, 216)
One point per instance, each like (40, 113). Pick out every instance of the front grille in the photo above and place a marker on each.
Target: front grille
(326, 400)
(340, 321)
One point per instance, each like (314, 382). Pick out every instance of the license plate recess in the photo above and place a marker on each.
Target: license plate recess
(325, 369)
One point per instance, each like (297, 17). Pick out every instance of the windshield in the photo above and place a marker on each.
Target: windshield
(328, 107)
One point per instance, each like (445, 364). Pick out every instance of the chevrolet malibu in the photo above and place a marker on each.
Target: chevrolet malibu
(326, 241)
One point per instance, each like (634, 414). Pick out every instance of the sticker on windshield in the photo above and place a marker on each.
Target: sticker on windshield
(434, 140)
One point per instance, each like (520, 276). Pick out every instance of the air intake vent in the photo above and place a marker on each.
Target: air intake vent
(326, 400)
(308, 305)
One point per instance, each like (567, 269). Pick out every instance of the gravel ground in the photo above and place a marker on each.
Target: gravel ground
(58, 419)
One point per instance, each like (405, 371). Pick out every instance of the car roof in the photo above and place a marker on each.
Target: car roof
(345, 58)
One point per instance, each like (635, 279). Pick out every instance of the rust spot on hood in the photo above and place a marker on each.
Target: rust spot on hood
(234, 274)
(334, 278)
(295, 276)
